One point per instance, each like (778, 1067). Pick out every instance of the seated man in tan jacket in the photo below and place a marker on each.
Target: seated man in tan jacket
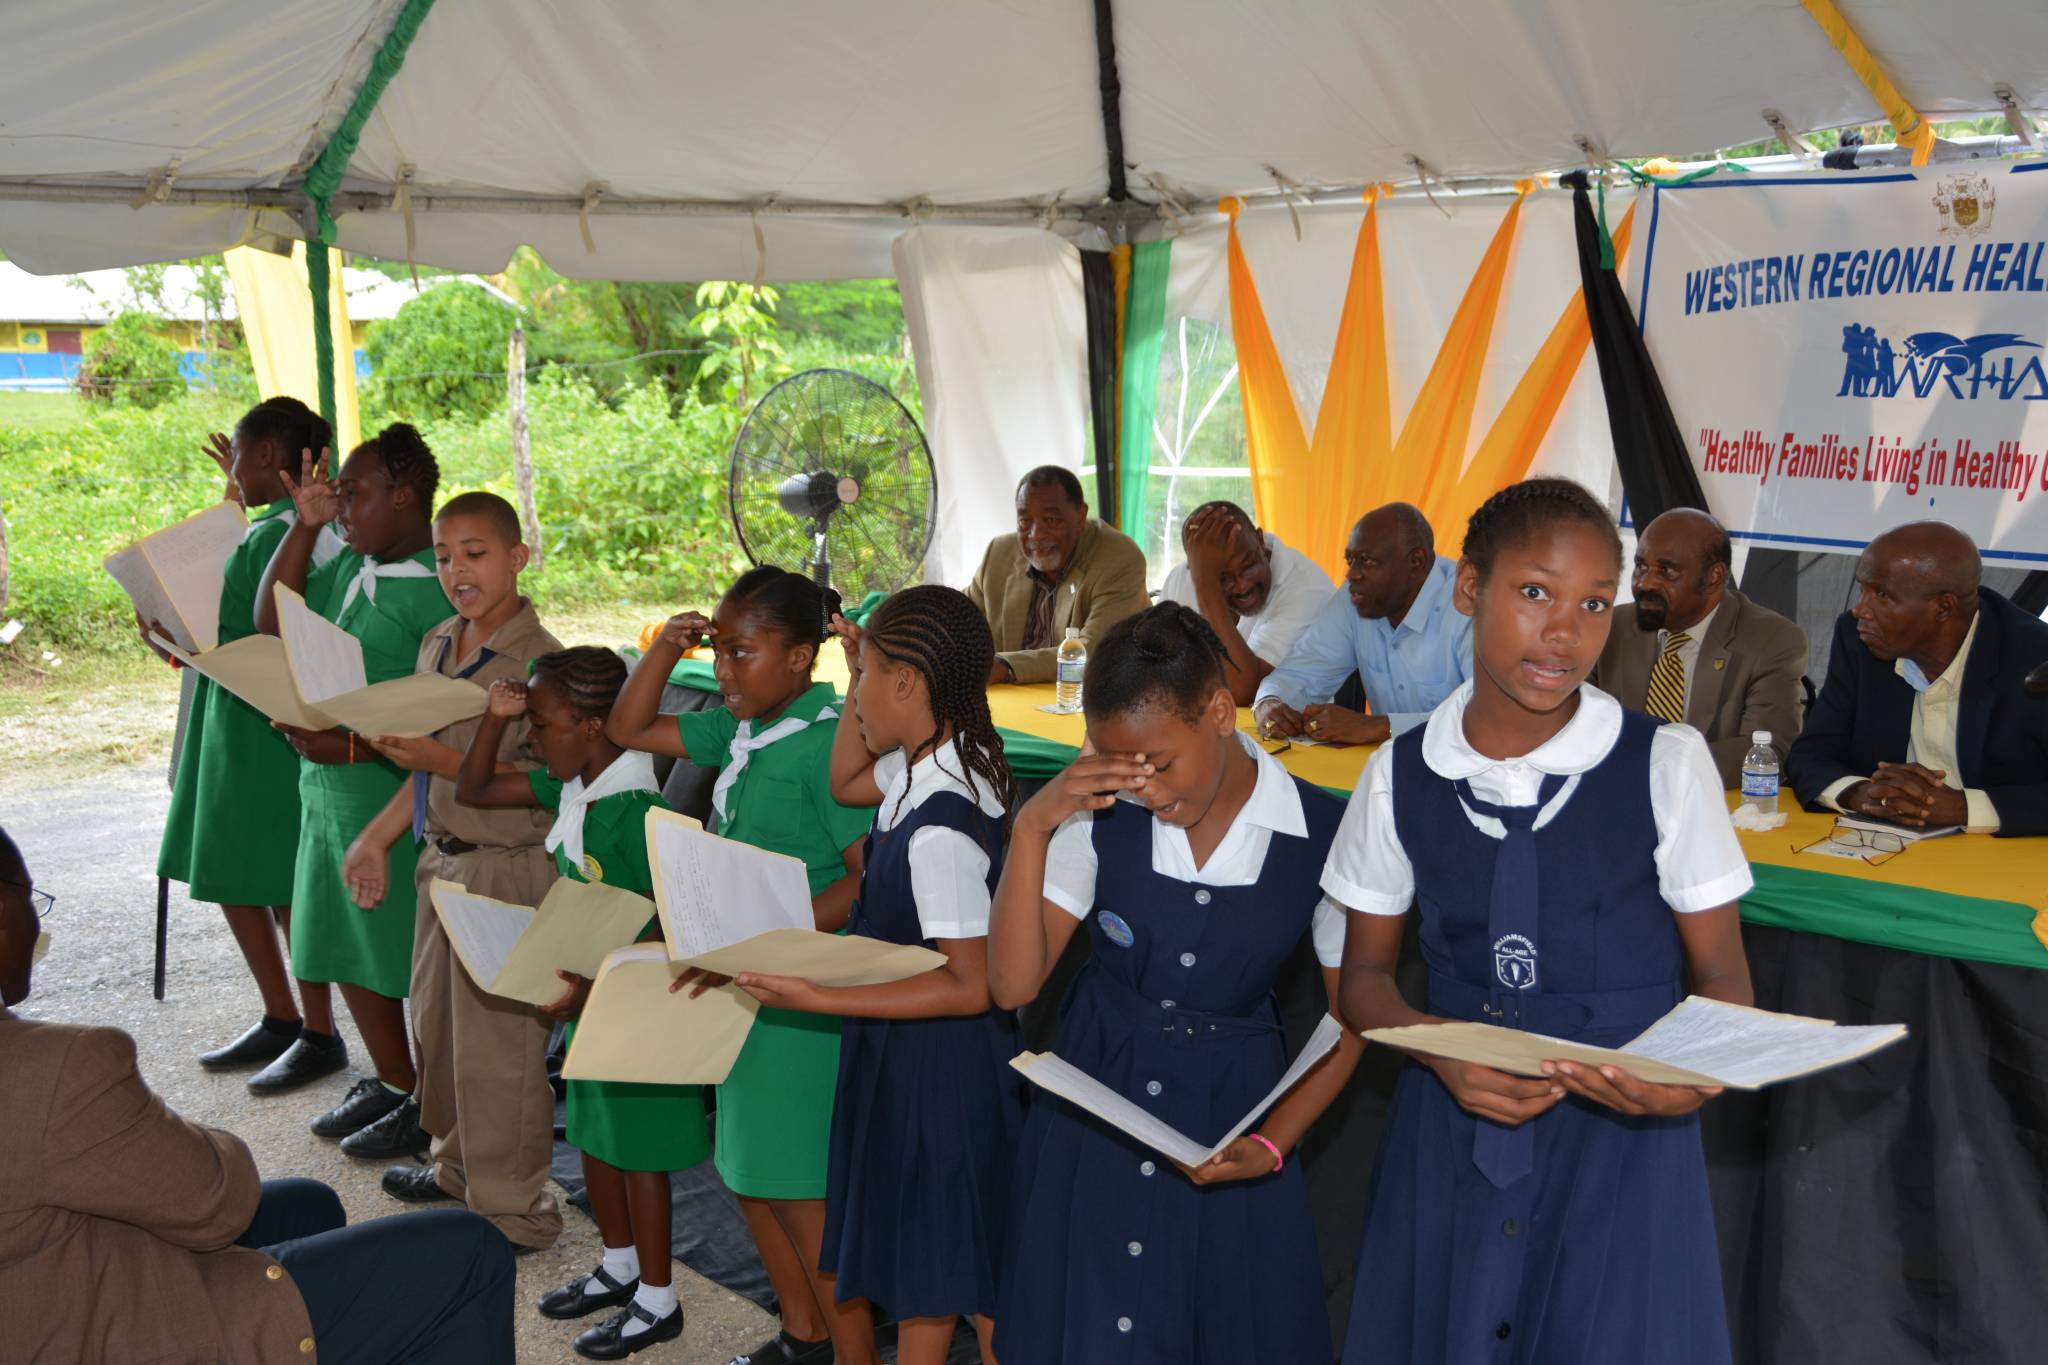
(1060, 568)
(130, 1234)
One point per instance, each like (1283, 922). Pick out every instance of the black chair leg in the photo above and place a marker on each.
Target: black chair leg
(163, 929)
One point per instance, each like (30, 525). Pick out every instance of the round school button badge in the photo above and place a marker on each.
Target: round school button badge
(1115, 930)
(593, 870)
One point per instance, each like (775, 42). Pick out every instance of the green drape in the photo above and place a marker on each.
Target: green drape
(1144, 329)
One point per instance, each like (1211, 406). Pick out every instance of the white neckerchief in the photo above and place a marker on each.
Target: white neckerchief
(365, 581)
(746, 741)
(325, 548)
(631, 771)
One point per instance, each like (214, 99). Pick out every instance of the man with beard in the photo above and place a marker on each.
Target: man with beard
(1924, 718)
(1256, 593)
(1393, 622)
(1060, 568)
(1692, 649)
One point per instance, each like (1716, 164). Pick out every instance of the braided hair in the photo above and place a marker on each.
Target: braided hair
(790, 602)
(590, 677)
(1165, 654)
(1523, 510)
(403, 452)
(288, 422)
(943, 635)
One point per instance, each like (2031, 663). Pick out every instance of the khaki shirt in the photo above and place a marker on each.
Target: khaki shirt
(515, 646)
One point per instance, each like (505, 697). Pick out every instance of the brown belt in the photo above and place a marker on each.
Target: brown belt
(453, 846)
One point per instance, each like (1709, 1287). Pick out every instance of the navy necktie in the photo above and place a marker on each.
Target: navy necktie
(1504, 1155)
(422, 783)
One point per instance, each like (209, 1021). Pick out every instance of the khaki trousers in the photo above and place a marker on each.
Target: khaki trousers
(483, 1088)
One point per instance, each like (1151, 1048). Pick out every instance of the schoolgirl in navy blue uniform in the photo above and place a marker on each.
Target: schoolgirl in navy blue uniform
(1576, 874)
(924, 1128)
(1193, 896)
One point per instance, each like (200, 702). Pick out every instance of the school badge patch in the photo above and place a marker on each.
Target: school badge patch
(1115, 930)
(593, 870)
(1514, 962)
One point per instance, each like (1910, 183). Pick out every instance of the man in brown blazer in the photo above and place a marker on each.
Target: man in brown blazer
(1060, 568)
(1690, 648)
(130, 1234)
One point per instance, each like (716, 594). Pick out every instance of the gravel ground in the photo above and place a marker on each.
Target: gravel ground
(92, 843)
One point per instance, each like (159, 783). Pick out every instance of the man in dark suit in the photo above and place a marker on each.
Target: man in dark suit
(1924, 717)
(128, 1233)
(1690, 648)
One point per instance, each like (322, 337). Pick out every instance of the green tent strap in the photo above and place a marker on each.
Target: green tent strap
(1144, 330)
(323, 178)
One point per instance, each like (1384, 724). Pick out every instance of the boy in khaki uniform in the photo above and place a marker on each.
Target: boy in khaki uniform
(483, 1089)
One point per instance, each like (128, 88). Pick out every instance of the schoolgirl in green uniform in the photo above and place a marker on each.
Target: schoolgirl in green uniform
(233, 829)
(383, 590)
(772, 741)
(631, 1136)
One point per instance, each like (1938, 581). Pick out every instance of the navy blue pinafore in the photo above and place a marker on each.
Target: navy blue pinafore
(1116, 1256)
(924, 1128)
(1588, 1235)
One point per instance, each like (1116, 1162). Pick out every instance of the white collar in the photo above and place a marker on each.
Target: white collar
(1951, 679)
(1587, 738)
(941, 770)
(1275, 802)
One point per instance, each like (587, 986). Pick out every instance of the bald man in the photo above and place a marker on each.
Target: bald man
(1924, 718)
(1692, 649)
(1392, 621)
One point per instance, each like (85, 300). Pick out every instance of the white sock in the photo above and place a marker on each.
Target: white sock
(621, 1263)
(402, 1094)
(658, 1299)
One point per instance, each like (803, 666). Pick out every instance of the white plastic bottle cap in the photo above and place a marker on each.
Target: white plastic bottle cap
(1074, 633)
(1760, 737)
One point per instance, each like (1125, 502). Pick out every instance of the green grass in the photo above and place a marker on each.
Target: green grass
(40, 411)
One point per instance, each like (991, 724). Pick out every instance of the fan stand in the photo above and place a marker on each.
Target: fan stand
(814, 497)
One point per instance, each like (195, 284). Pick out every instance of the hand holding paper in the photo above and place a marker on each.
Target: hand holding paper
(327, 674)
(174, 577)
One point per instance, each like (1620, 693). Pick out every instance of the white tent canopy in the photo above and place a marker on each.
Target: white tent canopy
(672, 131)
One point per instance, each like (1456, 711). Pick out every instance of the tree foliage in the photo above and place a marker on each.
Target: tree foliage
(130, 363)
(442, 355)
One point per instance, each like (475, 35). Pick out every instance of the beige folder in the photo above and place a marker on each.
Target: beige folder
(635, 1029)
(325, 664)
(822, 959)
(253, 668)
(174, 577)
(515, 952)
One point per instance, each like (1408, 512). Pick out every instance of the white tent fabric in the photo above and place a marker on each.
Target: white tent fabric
(1000, 333)
(854, 110)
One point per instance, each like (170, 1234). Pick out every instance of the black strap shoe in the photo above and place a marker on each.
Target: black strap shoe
(263, 1044)
(398, 1134)
(310, 1056)
(784, 1349)
(414, 1184)
(574, 1300)
(367, 1101)
(608, 1340)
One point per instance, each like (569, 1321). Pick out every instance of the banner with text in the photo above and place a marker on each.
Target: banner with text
(1852, 351)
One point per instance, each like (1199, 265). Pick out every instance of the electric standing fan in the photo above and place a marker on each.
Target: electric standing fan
(830, 473)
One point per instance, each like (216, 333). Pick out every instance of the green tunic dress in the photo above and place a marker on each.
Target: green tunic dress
(633, 1127)
(775, 1109)
(233, 830)
(334, 939)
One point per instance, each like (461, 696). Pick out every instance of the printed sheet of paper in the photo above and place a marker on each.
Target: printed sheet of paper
(174, 577)
(716, 892)
(254, 669)
(326, 660)
(822, 959)
(1700, 1042)
(635, 1029)
(327, 669)
(1049, 1072)
(483, 931)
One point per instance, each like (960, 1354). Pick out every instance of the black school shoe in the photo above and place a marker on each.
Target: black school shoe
(263, 1044)
(367, 1101)
(572, 1300)
(608, 1340)
(397, 1134)
(784, 1349)
(309, 1057)
(413, 1184)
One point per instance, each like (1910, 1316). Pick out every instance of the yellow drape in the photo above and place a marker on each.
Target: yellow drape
(1354, 436)
(276, 309)
(1272, 427)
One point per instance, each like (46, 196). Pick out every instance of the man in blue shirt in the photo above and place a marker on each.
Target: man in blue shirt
(1393, 622)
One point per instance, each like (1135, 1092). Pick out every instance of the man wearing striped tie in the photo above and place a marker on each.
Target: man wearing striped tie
(1691, 649)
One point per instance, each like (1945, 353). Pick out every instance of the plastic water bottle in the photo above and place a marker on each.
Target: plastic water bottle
(1760, 774)
(1073, 662)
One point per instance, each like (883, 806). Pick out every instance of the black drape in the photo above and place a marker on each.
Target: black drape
(2032, 593)
(1098, 292)
(1656, 468)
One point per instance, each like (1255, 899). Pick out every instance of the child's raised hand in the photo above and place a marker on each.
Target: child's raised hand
(416, 754)
(1623, 1093)
(508, 698)
(1090, 782)
(1495, 1095)
(364, 871)
(1244, 1159)
(850, 636)
(570, 1003)
(782, 992)
(221, 451)
(687, 630)
(314, 494)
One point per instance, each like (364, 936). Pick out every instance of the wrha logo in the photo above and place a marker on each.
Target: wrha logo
(1514, 962)
(1933, 364)
(1964, 203)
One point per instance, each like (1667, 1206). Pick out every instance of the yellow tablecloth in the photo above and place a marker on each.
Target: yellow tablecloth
(1975, 865)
